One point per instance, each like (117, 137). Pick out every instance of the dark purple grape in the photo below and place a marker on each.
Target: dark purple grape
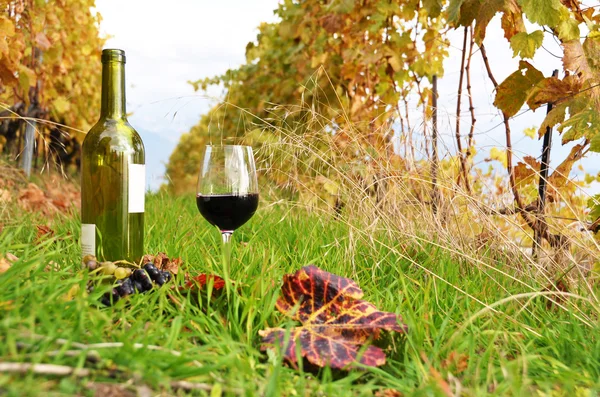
(125, 287)
(167, 275)
(138, 286)
(142, 277)
(152, 271)
(160, 279)
(110, 298)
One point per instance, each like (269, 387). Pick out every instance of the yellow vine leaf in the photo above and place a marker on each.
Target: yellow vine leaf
(498, 155)
(525, 45)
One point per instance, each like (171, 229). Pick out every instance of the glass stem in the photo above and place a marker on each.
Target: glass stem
(226, 235)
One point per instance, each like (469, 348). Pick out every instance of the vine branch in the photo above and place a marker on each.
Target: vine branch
(463, 165)
(554, 240)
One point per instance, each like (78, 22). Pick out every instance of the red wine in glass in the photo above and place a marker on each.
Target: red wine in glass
(227, 192)
(227, 211)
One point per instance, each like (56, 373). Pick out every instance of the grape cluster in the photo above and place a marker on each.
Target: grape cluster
(106, 268)
(140, 280)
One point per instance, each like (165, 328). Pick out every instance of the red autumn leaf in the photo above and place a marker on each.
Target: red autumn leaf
(201, 280)
(336, 322)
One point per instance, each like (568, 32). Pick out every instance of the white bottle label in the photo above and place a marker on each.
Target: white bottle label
(88, 239)
(137, 187)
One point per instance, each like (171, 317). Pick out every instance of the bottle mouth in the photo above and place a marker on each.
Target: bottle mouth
(113, 55)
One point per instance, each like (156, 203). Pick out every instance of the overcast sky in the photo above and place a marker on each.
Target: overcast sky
(167, 46)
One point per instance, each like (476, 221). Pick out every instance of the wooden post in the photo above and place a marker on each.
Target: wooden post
(28, 149)
(30, 127)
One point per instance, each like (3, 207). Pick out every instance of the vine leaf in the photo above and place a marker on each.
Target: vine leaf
(554, 117)
(585, 123)
(433, 7)
(568, 29)
(525, 45)
(487, 11)
(553, 90)
(526, 170)
(544, 12)
(560, 176)
(579, 58)
(454, 11)
(512, 20)
(41, 40)
(498, 155)
(513, 91)
(336, 322)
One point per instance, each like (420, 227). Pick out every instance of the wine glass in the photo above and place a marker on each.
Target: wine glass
(227, 193)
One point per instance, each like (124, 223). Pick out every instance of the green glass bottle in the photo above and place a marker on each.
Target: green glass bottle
(113, 176)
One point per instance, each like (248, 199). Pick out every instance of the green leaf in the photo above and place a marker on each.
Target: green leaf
(344, 6)
(487, 10)
(469, 10)
(61, 104)
(27, 78)
(595, 143)
(454, 10)
(585, 123)
(568, 29)
(591, 49)
(554, 117)
(543, 12)
(594, 205)
(433, 7)
(513, 91)
(525, 45)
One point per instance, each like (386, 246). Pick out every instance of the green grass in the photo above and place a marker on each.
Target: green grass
(522, 349)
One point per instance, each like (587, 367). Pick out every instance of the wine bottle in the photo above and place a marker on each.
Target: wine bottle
(113, 175)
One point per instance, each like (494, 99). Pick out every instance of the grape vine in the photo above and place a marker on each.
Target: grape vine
(354, 62)
(49, 56)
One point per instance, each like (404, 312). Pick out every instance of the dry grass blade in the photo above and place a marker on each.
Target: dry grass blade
(43, 369)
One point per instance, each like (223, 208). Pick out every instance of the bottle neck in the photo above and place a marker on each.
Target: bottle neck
(113, 90)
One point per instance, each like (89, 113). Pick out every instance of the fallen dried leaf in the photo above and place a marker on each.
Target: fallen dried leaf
(4, 265)
(52, 267)
(32, 198)
(162, 262)
(11, 258)
(388, 393)
(456, 362)
(5, 196)
(110, 390)
(44, 231)
(173, 266)
(442, 384)
(336, 322)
